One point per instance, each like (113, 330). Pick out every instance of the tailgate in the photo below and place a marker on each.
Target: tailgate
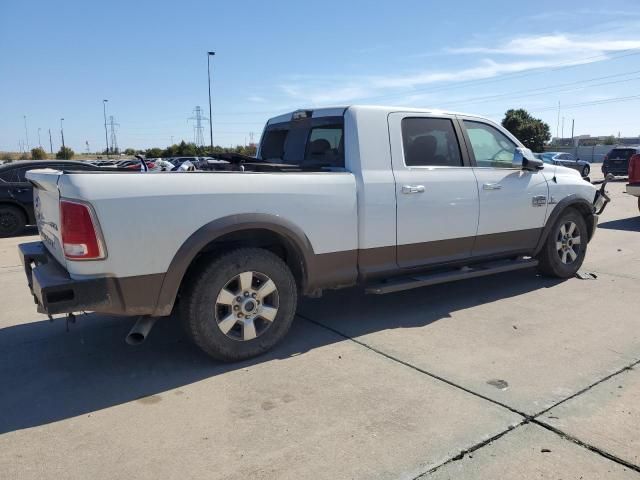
(46, 205)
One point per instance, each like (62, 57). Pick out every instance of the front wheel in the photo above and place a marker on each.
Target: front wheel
(240, 304)
(565, 248)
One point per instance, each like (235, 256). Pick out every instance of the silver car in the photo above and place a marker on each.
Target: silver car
(566, 160)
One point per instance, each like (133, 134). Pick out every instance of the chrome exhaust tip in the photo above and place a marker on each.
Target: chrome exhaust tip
(140, 330)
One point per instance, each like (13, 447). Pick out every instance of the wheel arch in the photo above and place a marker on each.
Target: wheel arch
(271, 232)
(584, 207)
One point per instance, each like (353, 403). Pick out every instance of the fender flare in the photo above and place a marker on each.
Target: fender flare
(211, 231)
(572, 200)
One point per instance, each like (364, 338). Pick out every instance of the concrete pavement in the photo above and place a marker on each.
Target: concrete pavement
(511, 376)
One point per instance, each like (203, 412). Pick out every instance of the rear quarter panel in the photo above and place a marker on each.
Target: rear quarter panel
(145, 218)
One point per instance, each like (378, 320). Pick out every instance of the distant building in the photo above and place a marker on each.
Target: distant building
(588, 141)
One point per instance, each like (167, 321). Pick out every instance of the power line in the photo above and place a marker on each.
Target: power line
(547, 89)
(580, 104)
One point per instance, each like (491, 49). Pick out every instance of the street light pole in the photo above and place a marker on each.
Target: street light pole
(50, 142)
(209, 55)
(104, 113)
(26, 131)
(39, 142)
(62, 135)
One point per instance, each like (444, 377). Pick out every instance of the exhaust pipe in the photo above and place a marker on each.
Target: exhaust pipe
(140, 330)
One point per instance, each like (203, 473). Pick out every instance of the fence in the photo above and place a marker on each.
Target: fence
(593, 154)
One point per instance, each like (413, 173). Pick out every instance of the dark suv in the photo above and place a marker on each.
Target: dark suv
(616, 162)
(16, 193)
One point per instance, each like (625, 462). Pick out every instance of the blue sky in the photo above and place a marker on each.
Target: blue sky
(60, 59)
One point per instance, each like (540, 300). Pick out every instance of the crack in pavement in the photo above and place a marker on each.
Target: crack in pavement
(526, 417)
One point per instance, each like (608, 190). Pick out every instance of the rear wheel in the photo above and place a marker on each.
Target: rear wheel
(564, 250)
(585, 171)
(12, 221)
(240, 304)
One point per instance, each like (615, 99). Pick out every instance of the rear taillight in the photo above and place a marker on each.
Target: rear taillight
(80, 236)
(634, 168)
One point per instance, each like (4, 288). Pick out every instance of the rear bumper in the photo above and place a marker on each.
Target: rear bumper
(54, 291)
(617, 170)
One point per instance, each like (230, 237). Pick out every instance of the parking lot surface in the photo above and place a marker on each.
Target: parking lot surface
(510, 376)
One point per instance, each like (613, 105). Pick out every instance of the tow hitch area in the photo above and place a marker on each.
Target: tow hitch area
(601, 200)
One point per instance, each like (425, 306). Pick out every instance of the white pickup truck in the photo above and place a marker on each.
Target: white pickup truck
(389, 198)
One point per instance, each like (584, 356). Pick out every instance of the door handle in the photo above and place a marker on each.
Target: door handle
(412, 188)
(491, 186)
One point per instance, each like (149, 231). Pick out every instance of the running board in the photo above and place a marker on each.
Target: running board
(423, 280)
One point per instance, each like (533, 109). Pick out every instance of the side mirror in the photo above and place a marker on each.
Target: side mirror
(524, 158)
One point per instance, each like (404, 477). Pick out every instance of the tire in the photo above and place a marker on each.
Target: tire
(12, 221)
(585, 171)
(556, 259)
(638, 203)
(210, 309)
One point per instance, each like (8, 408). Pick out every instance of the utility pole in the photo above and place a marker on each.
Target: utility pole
(39, 142)
(104, 114)
(558, 122)
(562, 128)
(209, 55)
(62, 136)
(198, 138)
(50, 142)
(114, 139)
(26, 131)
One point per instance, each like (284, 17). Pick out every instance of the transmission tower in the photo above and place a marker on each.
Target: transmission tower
(198, 137)
(87, 146)
(113, 140)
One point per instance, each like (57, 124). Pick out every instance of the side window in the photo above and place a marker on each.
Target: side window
(8, 175)
(325, 146)
(20, 174)
(490, 146)
(430, 142)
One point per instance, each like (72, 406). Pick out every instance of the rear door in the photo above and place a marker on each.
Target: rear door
(436, 190)
(513, 202)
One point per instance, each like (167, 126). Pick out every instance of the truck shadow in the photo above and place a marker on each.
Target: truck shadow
(49, 375)
(631, 224)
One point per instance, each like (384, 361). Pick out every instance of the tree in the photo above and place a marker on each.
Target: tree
(532, 132)
(38, 153)
(610, 140)
(24, 156)
(65, 153)
(153, 153)
(129, 151)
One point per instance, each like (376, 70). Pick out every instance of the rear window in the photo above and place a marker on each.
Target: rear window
(308, 142)
(624, 153)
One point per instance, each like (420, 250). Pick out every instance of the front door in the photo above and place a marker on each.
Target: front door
(513, 201)
(436, 190)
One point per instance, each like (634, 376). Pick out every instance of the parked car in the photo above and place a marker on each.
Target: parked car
(16, 193)
(633, 187)
(388, 198)
(616, 162)
(199, 163)
(566, 160)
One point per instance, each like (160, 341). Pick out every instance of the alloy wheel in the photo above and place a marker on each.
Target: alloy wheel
(246, 306)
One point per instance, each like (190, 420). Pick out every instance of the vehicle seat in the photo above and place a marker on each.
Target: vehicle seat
(422, 151)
